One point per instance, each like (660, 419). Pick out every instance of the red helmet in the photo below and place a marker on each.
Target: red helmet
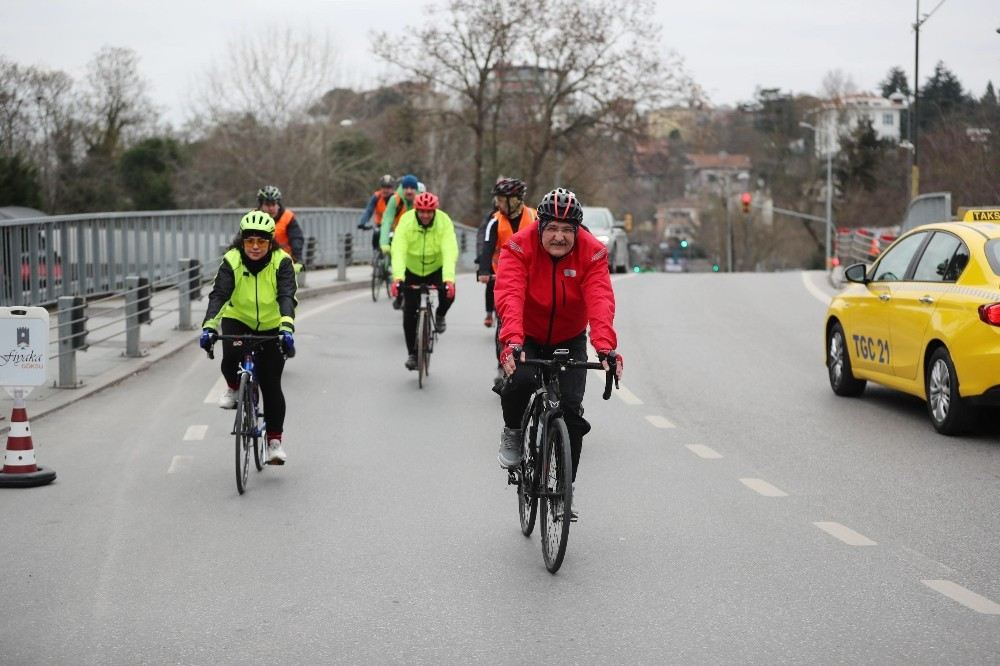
(426, 201)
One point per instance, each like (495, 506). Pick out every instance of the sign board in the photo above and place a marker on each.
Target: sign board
(981, 215)
(24, 347)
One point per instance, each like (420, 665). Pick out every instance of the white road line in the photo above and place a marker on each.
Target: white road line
(763, 487)
(626, 396)
(217, 389)
(324, 308)
(195, 433)
(180, 463)
(967, 598)
(659, 421)
(814, 290)
(845, 534)
(704, 452)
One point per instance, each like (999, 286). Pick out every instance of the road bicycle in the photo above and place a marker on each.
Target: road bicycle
(545, 475)
(381, 275)
(248, 426)
(426, 331)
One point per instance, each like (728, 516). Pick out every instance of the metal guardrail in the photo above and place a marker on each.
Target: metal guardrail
(862, 245)
(43, 259)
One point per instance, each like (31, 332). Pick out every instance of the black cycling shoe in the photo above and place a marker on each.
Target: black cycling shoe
(397, 303)
(439, 323)
(411, 362)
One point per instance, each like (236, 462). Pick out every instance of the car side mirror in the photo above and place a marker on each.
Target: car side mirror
(856, 273)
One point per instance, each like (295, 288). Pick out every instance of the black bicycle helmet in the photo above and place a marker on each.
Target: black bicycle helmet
(560, 205)
(268, 193)
(510, 187)
(386, 181)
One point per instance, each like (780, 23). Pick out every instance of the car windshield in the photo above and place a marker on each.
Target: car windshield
(596, 218)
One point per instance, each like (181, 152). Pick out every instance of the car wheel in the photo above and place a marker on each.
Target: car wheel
(948, 411)
(838, 365)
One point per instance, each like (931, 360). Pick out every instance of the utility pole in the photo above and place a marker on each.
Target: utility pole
(915, 119)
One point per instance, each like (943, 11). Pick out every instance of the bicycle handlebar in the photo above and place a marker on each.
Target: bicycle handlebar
(256, 339)
(589, 365)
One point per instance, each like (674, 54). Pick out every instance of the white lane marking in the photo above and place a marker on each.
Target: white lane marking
(626, 276)
(324, 308)
(195, 433)
(704, 452)
(659, 421)
(845, 534)
(814, 290)
(180, 463)
(217, 389)
(967, 598)
(627, 396)
(763, 487)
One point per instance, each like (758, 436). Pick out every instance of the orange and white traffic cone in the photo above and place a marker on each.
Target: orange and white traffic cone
(874, 250)
(19, 466)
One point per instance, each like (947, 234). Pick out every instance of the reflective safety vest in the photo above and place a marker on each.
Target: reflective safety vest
(254, 300)
(400, 209)
(504, 230)
(379, 208)
(281, 231)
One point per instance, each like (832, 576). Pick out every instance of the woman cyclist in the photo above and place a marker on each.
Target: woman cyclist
(254, 294)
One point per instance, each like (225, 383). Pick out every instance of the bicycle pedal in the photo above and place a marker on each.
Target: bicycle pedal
(511, 478)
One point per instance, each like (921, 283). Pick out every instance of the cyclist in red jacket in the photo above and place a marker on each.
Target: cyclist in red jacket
(552, 282)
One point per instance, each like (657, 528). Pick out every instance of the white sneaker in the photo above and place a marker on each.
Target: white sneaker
(228, 399)
(275, 454)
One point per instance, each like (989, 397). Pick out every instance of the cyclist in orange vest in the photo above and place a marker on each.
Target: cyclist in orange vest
(398, 203)
(287, 232)
(376, 207)
(510, 215)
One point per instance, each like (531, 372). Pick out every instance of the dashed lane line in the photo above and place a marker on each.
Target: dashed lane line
(195, 433)
(845, 534)
(217, 388)
(659, 421)
(627, 396)
(179, 464)
(703, 451)
(966, 597)
(764, 488)
(818, 293)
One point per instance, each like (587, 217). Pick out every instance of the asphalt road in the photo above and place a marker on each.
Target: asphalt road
(733, 510)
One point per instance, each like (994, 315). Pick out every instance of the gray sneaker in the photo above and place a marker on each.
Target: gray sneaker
(510, 447)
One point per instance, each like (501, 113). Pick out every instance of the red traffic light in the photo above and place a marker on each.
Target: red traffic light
(745, 200)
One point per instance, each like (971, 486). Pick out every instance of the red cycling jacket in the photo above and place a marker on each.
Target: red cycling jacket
(552, 300)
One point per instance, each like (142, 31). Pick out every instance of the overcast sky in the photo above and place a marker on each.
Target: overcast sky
(730, 46)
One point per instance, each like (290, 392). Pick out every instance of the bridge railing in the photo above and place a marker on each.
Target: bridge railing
(42, 259)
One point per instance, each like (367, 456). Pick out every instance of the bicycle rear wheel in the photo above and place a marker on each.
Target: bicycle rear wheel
(241, 429)
(557, 498)
(376, 281)
(421, 347)
(527, 499)
(259, 437)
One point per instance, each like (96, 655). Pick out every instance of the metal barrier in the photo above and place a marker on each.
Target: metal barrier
(862, 245)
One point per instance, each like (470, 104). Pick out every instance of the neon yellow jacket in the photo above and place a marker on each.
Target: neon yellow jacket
(263, 302)
(422, 250)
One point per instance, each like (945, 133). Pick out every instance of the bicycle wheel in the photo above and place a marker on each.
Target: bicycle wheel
(259, 437)
(421, 347)
(527, 497)
(241, 429)
(387, 276)
(376, 281)
(429, 337)
(557, 498)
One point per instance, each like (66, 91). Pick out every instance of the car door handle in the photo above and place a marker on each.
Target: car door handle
(884, 297)
(926, 299)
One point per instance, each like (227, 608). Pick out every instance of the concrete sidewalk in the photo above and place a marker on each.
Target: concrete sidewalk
(104, 363)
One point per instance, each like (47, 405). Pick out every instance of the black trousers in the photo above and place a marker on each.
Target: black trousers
(411, 303)
(490, 304)
(270, 365)
(572, 385)
(376, 232)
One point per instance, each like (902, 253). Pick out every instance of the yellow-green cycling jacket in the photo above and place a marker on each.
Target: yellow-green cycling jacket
(263, 301)
(423, 250)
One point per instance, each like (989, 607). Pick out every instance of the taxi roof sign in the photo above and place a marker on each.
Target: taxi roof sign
(982, 215)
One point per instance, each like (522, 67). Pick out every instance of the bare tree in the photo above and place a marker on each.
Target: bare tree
(459, 51)
(115, 102)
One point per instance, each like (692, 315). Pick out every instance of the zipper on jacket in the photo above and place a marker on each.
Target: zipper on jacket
(256, 299)
(552, 315)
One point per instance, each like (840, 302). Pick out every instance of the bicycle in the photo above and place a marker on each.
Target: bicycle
(545, 472)
(381, 275)
(248, 426)
(426, 331)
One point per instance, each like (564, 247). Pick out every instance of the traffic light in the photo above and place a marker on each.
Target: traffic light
(745, 200)
(684, 242)
(715, 268)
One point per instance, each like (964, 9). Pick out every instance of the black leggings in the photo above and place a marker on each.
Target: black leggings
(270, 364)
(572, 385)
(490, 305)
(411, 303)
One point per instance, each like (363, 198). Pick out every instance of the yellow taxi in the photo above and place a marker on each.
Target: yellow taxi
(924, 318)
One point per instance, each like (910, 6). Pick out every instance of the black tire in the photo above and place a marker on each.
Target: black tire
(387, 277)
(950, 414)
(376, 281)
(527, 498)
(421, 347)
(557, 501)
(241, 430)
(838, 365)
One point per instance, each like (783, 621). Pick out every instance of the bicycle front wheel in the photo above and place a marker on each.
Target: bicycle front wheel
(527, 498)
(376, 282)
(242, 429)
(422, 324)
(557, 494)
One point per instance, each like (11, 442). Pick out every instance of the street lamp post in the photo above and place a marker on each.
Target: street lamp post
(829, 187)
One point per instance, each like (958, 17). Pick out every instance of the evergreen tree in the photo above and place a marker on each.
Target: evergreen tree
(989, 98)
(860, 156)
(893, 81)
(941, 96)
(19, 183)
(147, 171)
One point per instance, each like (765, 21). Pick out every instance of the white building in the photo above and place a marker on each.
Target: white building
(839, 117)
